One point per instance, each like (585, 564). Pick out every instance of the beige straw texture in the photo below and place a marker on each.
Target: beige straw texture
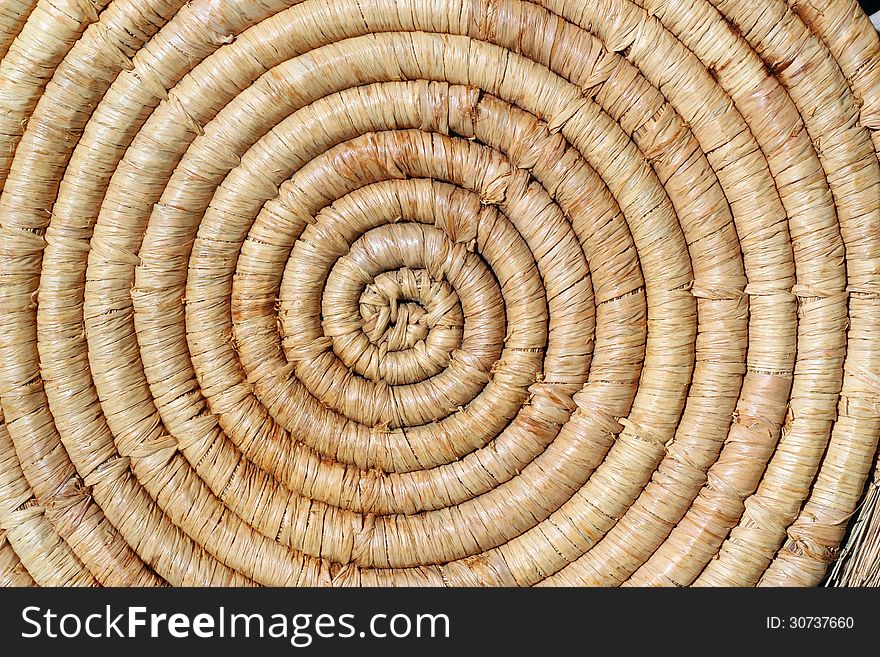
(438, 292)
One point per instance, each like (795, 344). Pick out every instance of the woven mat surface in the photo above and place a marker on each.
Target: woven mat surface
(436, 292)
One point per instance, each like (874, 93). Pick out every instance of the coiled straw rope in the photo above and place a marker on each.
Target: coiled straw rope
(436, 292)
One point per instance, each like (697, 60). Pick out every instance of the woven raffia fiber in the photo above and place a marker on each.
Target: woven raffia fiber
(436, 292)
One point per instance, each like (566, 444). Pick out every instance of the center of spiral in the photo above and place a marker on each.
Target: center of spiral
(403, 330)
(396, 308)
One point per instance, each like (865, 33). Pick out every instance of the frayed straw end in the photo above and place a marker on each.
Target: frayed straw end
(859, 561)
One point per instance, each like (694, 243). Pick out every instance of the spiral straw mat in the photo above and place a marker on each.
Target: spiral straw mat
(438, 292)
